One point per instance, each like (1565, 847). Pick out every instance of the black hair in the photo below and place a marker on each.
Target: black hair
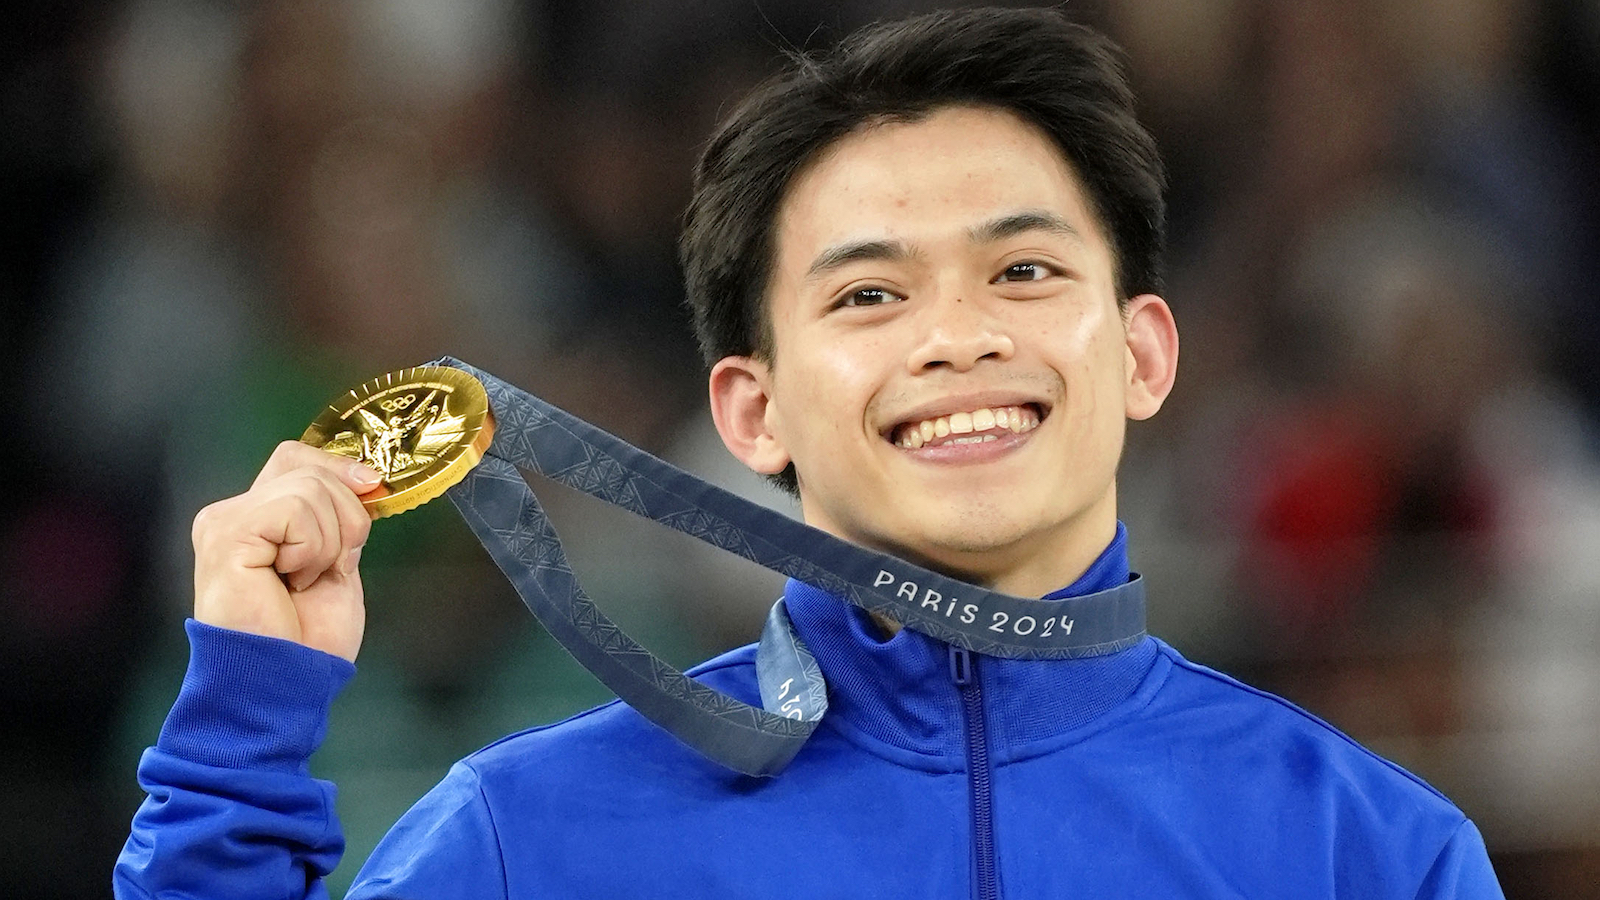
(1062, 77)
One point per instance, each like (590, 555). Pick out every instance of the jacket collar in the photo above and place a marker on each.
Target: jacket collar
(901, 692)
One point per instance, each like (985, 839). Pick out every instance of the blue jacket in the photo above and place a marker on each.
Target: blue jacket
(934, 774)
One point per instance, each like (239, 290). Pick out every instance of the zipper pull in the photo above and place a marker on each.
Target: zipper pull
(960, 666)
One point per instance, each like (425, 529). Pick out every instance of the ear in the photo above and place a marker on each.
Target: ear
(1152, 354)
(740, 392)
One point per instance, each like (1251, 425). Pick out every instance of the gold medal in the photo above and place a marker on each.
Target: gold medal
(423, 428)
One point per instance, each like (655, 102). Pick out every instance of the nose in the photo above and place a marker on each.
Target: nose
(960, 333)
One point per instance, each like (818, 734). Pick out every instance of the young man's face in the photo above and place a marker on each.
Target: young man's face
(951, 373)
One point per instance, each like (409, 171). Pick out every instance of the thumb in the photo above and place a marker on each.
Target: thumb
(360, 477)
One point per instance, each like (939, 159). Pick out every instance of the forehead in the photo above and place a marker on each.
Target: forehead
(926, 180)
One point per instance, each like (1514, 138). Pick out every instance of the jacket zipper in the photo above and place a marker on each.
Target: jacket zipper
(963, 671)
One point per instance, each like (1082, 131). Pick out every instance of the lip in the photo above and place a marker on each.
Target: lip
(1004, 443)
(945, 406)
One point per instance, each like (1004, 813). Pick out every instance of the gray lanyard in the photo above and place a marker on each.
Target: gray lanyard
(503, 512)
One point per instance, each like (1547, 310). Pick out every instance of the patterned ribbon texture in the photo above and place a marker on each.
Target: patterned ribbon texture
(503, 512)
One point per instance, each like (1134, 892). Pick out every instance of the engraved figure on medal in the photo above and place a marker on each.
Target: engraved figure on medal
(422, 428)
(405, 444)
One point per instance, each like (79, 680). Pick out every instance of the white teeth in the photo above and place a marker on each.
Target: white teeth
(1016, 419)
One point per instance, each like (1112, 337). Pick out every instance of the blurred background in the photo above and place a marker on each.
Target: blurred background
(1375, 491)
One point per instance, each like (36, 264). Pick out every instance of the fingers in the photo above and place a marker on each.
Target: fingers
(279, 559)
(291, 455)
(301, 524)
(353, 520)
(306, 532)
(317, 522)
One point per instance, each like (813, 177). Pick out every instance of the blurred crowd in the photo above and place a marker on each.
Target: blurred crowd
(1376, 489)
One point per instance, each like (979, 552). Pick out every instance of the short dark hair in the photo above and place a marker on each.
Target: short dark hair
(1062, 77)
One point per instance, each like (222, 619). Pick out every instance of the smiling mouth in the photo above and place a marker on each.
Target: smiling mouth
(972, 427)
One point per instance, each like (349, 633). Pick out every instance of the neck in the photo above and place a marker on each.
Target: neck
(1011, 557)
(1107, 570)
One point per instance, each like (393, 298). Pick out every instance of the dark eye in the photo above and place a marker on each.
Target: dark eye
(1025, 271)
(869, 297)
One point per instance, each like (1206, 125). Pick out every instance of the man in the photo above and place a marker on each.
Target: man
(925, 267)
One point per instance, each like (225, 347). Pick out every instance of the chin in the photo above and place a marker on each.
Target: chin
(965, 542)
(939, 532)
(968, 540)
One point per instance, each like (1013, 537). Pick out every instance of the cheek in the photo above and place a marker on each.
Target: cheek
(1069, 325)
(1096, 330)
(1087, 345)
(1078, 342)
(825, 399)
(844, 388)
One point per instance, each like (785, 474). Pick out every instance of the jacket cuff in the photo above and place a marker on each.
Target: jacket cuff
(251, 702)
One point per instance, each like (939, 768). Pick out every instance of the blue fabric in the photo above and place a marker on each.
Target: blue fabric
(1135, 774)
(232, 809)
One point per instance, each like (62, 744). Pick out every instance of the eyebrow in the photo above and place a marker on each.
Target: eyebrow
(999, 229)
(856, 251)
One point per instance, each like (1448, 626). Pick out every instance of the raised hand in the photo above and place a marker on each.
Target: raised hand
(281, 559)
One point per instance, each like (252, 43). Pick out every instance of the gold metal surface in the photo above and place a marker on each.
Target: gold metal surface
(424, 428)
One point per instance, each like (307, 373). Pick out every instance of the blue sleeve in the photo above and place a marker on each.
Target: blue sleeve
(234, 814)
(233, 811)
(445, 848)
(1462, 870)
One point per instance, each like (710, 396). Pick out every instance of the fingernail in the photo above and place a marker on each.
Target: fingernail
(351, 560)
(365, 474)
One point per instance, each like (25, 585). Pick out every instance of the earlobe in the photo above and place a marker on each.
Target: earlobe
(740, 394)
(1152, 355)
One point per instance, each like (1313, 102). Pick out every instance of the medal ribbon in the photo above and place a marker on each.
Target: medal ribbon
(503, 512)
